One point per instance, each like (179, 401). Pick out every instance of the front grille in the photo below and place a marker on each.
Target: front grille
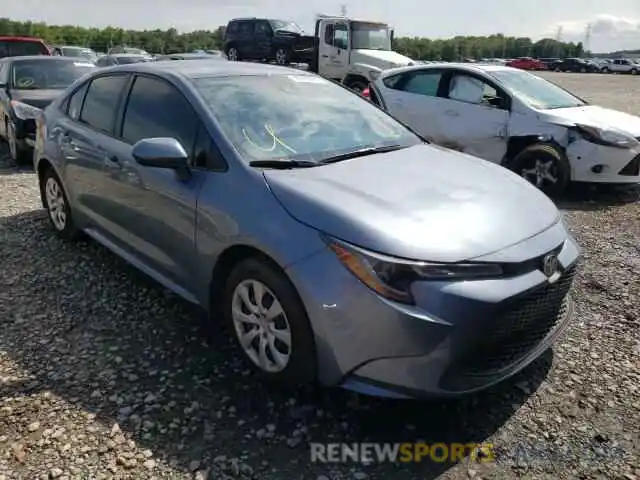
(632, 168)
(519, 329)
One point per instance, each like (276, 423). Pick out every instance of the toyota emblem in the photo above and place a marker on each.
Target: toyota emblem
(550, 264)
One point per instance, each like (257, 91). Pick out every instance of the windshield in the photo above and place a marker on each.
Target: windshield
(21, 48)
(47, 74)
(132, 59)
(79, 53)
(370, 36)
(297, 117)
(535, 91)
(286, 26)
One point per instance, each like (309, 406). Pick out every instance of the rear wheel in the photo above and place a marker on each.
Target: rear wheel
(233, 54)
(634, 71)
(357, 85)
(606, 70)
(543, 166)
(583, 70)
(56, 203)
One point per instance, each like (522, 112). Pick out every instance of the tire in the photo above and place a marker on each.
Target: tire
(282, 56)
(300, 365)
(583, 70)
(538, 157)
(606, 70)
(20, 156)
(233, 54)
(357, 85)
(59, 216)
(557, 69)
(634, 71)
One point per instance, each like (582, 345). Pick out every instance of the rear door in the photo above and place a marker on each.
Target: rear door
(415, 98)
(263, 39)
(85, 139)
(246, 42)
(476, 116)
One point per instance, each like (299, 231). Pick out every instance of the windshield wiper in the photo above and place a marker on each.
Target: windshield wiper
(362, 153)
(282, 164)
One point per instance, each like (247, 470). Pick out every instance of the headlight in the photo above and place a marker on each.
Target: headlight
(392, 277)
(609, 137)
(24, 111)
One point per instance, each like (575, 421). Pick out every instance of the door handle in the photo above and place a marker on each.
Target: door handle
(451, 113)
(325, 56)
(112, 161)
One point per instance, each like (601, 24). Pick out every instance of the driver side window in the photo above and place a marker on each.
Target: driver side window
(470, 89)
(337, 35)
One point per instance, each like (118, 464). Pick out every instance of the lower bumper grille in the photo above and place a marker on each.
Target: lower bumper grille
(632, 168)
(521, 328)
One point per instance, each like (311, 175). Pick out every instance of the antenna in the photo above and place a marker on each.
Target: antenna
(343, 10)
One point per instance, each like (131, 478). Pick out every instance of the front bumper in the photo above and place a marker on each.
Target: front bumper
(601, 164)
(461, 337)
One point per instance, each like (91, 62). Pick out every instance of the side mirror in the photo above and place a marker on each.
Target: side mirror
(160, 153)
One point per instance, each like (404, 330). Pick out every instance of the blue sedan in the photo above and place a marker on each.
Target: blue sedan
(339, 246)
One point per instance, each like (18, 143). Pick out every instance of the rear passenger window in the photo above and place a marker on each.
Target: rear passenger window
(101, 102)
(246, 27)
(157, 109)
(233, 27)
(75, 102)
(423, 83)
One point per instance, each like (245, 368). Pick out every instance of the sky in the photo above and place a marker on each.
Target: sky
(615, 24)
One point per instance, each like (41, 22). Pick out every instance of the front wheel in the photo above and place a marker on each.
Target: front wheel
(19, 154)
(357, 86)
(270, 323)
(605, 70)
(543, 166)
(634, 71)
(282, 56)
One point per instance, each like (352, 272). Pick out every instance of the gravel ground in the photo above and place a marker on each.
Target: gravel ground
(104, 374)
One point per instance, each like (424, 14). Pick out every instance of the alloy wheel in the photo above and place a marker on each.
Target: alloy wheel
(261, 325)
(233, 54)
(56, 205)
(281, 56)
(541, 173)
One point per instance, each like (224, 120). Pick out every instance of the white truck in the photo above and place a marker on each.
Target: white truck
(353, 52)
(622, 65)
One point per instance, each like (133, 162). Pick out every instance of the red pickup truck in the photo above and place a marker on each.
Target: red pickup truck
(21, 46)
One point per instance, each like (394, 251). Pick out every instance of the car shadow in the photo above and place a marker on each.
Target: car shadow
(591, 197)
(92, 330)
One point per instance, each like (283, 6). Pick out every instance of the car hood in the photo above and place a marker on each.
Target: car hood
(36, 98)
(596, 116)
(423, 202)
(380, 58)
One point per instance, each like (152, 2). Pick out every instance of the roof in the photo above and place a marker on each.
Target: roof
(115, 54)
(19, 38)
(208, 68)
(44, 58)
(469, 67)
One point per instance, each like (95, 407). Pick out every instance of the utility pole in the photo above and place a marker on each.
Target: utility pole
(558, 39)
(343, 10)
(587, 38)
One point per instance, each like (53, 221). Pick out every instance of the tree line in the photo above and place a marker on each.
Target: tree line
(171, 41)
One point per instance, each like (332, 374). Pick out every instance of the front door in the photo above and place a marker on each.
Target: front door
(263, 39)
(333, 50)
(476, 116)
(155, 208)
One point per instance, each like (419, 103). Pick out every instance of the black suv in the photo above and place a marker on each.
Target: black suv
(575, 65)
(266, 40)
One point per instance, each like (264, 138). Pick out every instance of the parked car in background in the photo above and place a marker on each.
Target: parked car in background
(21, 46)
(531, 126)
(527, 63)
(238, 185)
(190, 56)
(266, 39)
(548, 61)
(121, 59)
(77, 52)
(622, 65)
(575, 65)
(217, 53)
(121, 49)
(27, 85)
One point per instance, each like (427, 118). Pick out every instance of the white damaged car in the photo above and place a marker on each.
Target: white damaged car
(533, 127)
